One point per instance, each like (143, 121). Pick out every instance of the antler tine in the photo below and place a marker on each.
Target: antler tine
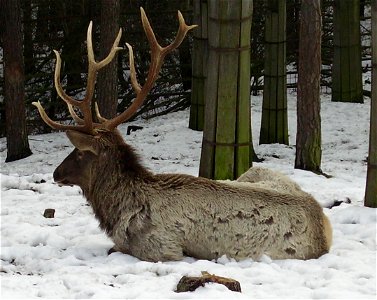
(58, 86)
(158, 54)
(149, 31)
(135, 85)
(98, 114)
(69, 100)
(56, 125)
(86, 124)
(93, 68)
(183, 29)
(109, 57)
(75, 117)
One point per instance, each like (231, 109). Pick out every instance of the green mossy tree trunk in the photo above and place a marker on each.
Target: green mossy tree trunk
(371, 186)
(346, 69)
(199, 64)
(227, 149)
(274, 125)
(308, 139)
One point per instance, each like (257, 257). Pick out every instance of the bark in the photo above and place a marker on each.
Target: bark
(185, 55)
(28, 37)
(371, 186)
(199, 65)
(190, 284)
(308, 139)
(274, 125)
(16, 131)
(74, 34)
(107, 84)
(185, 64)
(346, 70)
(227, 149)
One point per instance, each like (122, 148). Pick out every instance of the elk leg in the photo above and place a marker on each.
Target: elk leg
(112, 250)
(156, 247)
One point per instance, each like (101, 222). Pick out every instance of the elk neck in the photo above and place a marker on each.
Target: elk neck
(116, 181)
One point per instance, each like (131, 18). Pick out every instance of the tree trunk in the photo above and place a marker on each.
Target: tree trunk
(42, 28)
(185, 55)
(308, 140)
(274, 125)
(185, 65)
(371, 186)
(199, 64)
(185, 68)
(227, 149)
(73, 37)
(17, 139)
(28, 37)
(346, 70)
(107, 85)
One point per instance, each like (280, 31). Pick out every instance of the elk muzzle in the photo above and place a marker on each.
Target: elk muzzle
(75, 169)
(59, 177)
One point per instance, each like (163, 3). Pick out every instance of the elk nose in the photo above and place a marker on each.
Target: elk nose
(57, 176)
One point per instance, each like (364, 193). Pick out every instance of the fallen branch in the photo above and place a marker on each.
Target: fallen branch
(192, 283)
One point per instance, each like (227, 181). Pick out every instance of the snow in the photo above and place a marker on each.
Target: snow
(66, 256)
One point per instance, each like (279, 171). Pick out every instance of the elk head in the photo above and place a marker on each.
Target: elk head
(92, 138)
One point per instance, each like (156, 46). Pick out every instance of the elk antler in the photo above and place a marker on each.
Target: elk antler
(86, 124)
(158, 54)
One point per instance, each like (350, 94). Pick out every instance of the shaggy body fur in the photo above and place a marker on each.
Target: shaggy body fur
(166, 216)
(274, 180)
(265, 178)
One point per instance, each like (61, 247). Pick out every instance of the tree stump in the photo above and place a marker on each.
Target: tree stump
(192, 283)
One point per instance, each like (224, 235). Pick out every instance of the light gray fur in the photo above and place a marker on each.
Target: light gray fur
(274, 180)
(160, 217)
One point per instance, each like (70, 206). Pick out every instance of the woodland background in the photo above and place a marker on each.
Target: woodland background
(264, 50)
(62, 25)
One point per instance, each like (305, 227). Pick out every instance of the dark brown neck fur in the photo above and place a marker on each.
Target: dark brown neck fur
(114, 185)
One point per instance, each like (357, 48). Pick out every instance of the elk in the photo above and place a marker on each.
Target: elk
(269, 179)
(162, 217)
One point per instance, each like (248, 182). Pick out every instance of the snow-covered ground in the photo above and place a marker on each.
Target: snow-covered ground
(66, 257)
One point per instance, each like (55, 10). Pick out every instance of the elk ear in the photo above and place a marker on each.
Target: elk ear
(82, 141)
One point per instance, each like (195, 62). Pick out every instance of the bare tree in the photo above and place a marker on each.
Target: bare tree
(14, 81)
(371, 187)
(308, 139)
